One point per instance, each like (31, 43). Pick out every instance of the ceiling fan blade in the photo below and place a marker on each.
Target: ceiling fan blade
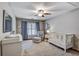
(56, 10)
(47, 13)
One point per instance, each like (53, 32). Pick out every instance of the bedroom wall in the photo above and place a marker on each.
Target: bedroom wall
(65, 23)
(5, 6)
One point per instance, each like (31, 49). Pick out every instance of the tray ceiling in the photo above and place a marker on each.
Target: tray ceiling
(27, 9)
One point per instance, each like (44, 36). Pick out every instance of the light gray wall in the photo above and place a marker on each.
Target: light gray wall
(1, 21)
(65, 23)
(5, 6)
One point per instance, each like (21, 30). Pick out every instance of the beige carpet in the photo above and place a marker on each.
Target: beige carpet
(45, 49)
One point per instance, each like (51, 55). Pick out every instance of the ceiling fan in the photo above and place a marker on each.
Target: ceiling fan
(42, 13)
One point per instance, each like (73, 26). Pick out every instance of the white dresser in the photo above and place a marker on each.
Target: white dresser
(0, 48)
(11, 45)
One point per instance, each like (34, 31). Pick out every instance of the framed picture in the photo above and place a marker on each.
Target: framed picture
(7, 22)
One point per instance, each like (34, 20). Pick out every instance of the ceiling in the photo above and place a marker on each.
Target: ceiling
(28, 9)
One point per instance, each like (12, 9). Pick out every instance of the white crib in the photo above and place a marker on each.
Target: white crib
(61, 40)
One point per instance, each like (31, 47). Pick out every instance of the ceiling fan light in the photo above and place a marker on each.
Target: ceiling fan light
(39, 14)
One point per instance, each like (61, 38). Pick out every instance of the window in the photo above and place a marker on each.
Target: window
(31, 29)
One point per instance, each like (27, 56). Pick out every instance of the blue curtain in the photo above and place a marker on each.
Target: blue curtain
(37, 26)
(24, 29)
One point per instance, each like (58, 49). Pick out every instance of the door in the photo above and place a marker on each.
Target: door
(24, 29)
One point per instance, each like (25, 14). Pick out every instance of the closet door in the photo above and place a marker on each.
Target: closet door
(24, 29)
